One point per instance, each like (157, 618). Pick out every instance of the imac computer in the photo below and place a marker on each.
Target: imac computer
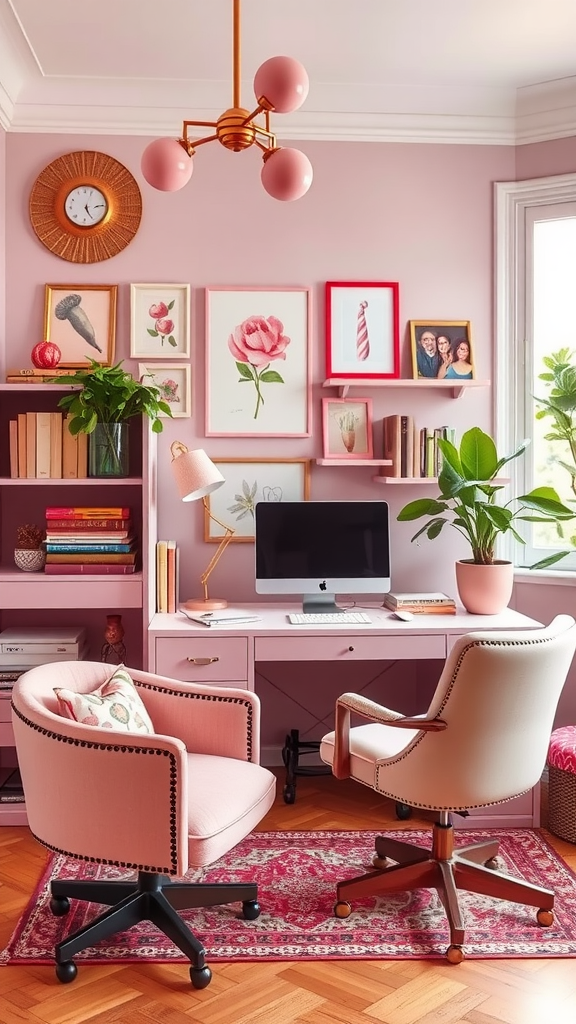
(318, 549)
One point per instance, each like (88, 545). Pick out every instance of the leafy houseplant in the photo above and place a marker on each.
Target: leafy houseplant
(468, 501)
(110, 396)
(560, 405)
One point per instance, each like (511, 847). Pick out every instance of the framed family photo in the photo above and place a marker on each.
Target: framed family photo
(173, 380)
(81, 321)
(258, 358)
(248, 481)
(159, 321)
(362, 330)
(442, 350)
(347, 428)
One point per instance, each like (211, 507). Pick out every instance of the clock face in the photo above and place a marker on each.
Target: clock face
(85, 206)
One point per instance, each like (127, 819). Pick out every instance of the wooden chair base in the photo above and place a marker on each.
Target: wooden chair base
(445, 869)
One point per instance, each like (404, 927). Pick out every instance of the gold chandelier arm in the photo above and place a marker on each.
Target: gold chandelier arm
(220, 550)
(236, 55)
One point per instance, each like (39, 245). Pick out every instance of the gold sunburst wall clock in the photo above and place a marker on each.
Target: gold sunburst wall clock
(85, 207)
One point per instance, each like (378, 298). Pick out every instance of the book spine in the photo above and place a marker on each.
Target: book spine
(76, 536)
(56, 445)
(43, 445)
(86, 512)
(27, 647)
(69, 453)
(128, 559)
(30, 445)
(88, 569)
(171, 577)
(162, 576)
(67, 526)
(34, 371)
(13, 428)
(82, 455)
(88, 549)
(21, 419)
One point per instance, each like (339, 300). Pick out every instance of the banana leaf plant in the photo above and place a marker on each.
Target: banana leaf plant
(560, 405)
(468, 499)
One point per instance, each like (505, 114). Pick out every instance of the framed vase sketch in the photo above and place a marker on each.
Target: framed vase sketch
(248, 481)
(81, 320)
(173, 381)
(362, 330)
(258, 358)
(159, 321)
(442, 350)
(347, 428)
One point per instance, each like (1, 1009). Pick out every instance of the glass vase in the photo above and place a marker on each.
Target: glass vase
(108, 453)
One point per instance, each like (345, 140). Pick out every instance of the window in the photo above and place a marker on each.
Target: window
(535, 316)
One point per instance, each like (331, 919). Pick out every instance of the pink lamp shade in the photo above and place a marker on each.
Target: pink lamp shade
(287, 174)
(195, 473)
(281, 84)
(166, 165)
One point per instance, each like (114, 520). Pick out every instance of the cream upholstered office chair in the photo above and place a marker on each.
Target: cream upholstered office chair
(484, 739)
(179, 786)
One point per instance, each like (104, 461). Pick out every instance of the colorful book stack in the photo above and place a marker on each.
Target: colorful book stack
(434, 603)
(166, 576)
(90, 541)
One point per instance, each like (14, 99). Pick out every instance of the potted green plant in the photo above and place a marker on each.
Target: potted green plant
(468, 501)
(29, 553)
(560, 405)
(110, 396)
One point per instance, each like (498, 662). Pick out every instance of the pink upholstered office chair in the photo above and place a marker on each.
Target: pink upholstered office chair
(483, 740)
(155, 801)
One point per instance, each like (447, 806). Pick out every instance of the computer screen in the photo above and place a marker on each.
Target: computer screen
(322, 548)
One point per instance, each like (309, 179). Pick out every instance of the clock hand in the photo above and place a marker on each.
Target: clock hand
(88, 211)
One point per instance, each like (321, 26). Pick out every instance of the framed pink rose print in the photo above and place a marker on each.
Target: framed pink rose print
(258, 362)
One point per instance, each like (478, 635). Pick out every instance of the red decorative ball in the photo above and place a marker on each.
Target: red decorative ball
(46, 355)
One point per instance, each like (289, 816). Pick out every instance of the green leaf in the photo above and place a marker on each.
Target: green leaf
(245, 370)
(172, 340)
(271, 377)
(478, 455)
(171, 305)
(152, 332)
(420, 507)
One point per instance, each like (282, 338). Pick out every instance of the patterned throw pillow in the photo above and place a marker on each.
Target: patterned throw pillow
(116, 705)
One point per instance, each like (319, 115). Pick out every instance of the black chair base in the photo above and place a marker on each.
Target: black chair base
(153, 897)
(292, 750)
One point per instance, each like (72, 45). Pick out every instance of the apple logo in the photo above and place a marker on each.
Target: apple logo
(322, 586)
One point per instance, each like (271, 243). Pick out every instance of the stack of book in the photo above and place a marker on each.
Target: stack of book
(434, 603)
(42, 448)
(167, 564)
(93, 541)
(413, 453)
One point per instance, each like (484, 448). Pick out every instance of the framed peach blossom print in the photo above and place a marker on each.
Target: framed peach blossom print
(159, 321)
(258, 362)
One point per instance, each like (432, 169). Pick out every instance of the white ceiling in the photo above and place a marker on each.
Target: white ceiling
(481, 71)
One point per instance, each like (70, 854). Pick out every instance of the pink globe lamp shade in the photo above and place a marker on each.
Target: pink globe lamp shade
(282, 83)
(166, 165)
(287, 174)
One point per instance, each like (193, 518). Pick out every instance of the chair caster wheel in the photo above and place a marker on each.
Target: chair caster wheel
(545, 918)
(289, 794)
(66, 972)
(380, 862)
(403, 812)
(342, 909)
(59, 905)
(250, 910)
(454, 954)
(200, 976)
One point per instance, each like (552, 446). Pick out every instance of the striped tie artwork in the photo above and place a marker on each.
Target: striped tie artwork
(362, 343)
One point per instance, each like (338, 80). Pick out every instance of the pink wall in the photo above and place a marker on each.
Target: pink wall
(419, 215)
(2, 247)
(542, 158)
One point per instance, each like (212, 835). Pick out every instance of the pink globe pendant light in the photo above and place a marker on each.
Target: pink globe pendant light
(286, 174)
(166, 165)
(281, 84)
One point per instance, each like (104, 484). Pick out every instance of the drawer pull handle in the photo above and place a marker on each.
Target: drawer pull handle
(202, 661)
(350, 648)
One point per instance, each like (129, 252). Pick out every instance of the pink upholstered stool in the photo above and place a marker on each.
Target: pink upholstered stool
(562, 783)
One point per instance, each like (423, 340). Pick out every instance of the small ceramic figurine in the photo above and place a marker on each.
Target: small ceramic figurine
(113, 636)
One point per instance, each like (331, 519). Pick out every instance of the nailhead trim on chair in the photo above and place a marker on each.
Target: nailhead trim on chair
(463, 653)
(121, 747)
(209, 696)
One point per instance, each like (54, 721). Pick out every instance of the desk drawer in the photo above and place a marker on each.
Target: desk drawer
(348, 648)
(217, 659)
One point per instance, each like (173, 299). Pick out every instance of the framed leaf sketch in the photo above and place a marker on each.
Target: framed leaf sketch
(347, 428)
(258, 359)
(248, 481)
(81, 320)
(159, 321)
(173, 380)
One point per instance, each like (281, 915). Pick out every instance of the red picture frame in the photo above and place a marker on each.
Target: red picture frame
(362, 330)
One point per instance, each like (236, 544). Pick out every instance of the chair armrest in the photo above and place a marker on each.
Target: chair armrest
(219, 720)
(349, 702)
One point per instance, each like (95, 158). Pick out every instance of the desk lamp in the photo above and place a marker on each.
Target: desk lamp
(196, 476)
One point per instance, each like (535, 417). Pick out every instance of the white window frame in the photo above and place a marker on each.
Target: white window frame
(512, 203)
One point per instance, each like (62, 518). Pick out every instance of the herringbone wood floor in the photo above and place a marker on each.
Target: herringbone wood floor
(367, 992)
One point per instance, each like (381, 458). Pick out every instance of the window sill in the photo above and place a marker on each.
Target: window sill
(560, 578)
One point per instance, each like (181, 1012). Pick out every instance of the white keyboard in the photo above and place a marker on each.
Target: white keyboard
(329, 619)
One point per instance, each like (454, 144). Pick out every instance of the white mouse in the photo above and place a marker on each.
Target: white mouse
(403, 616)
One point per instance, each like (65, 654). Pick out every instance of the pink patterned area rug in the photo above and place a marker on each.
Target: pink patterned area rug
(296, 874)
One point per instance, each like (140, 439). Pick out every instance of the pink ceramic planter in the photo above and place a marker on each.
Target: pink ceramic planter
(485, 589)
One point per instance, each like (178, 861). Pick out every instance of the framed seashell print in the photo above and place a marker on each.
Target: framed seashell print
(81, 320)
(258, 355)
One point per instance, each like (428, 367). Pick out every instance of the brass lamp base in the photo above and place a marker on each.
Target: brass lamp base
(211, 604)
